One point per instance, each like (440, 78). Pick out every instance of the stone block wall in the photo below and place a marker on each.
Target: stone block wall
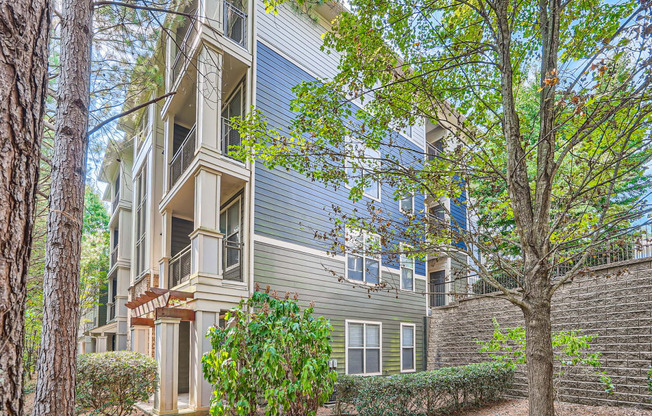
(615, 303)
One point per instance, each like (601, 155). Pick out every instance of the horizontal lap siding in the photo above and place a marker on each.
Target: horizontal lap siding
(288, 206)
(286, 270)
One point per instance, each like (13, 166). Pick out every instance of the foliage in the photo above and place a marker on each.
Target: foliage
(424, 393)
(111, 383)
(270, 348)
(572, 349)
(649, 380)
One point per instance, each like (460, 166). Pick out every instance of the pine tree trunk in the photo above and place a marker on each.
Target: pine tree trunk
(55, 389)
(24, 29)
(539, 355)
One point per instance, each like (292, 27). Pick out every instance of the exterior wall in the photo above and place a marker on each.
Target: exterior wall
(615, 306)
(289, 209)
(289, 269)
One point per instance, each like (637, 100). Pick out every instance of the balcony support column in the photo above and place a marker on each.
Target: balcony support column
(200, 390)
(206, 239)
(100, 343)
(167, 360)
(209, 97)
(140, 339)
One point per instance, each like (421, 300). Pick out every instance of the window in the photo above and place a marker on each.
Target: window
(361, 265)
(363, 350)
(141, 221)
(407, 270)
(363, 166)
(406, 204)
(408, 357)
(230, 227)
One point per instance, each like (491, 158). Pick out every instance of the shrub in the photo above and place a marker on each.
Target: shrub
(425, 393)
(278, 353)
(111, 383)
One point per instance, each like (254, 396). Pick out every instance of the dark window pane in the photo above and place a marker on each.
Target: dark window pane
(408, 358)
(355, 361)
(373, 361)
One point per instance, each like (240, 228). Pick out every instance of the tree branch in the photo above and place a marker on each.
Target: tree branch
(131, 110)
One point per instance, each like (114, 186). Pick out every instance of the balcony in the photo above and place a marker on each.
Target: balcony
(183, 156)
(230, 137)
(184, 46)
(110, 312)
(114, 255)
(179, 268)
(115, 202)
(235, 24)
(433, 150)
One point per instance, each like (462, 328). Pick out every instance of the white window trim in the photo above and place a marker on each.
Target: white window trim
(364, 257)
(238, 200)
(346, 164)
(364, 335)
(414, 347)
(411, 195)
(403, 247)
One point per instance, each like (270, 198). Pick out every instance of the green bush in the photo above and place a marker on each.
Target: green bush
(270, 350)
(423, 394)
(111, 383)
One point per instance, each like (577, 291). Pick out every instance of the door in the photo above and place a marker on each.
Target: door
(437, 288)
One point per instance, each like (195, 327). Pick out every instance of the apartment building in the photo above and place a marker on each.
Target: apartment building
(195, 230)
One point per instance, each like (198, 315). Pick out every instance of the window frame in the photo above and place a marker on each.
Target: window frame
(413, 347)
(347, 322)
(347, 165)
(141, 237)
(379, 258)
(402, 264)
(223, 212)
(400, 208)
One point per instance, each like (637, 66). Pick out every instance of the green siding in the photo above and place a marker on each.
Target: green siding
(286, 270)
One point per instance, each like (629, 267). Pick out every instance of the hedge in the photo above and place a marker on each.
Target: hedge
(425, 393)
(111, 383)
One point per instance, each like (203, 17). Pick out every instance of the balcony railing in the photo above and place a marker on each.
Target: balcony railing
(235, 24)
(116, 201)
(230, 137)
(110, 311)
(114, 255)
(232, 253)
(179, 268)
(432, 151)
(183, 157)
(184, 48)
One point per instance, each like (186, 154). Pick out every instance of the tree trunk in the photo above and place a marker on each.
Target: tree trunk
(55, 389)
(539, 356)
(24, 29)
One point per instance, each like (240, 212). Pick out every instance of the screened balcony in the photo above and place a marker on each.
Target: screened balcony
(235, 22)
(184, 151)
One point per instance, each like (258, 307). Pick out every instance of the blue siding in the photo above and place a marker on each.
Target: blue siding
(288, 206)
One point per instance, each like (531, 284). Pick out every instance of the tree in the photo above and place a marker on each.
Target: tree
(545, 108)
(24, 30)
(55, 389)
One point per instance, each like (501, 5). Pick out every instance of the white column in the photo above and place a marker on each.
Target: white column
(200, 390)
(206, 239)
(88, 344)
(167, 359)
(100, 343)
(209, 97)
(140, 339)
